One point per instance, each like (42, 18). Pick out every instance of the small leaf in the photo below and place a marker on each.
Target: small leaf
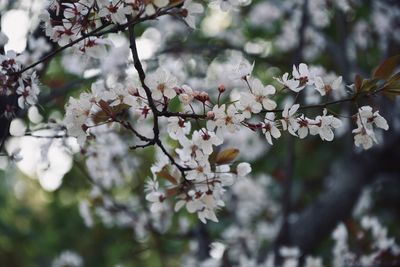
(102, 116)
(106, 107)
(120, 108)
(391, 88)
(386, 68)
(172, 191)
(227, 156)
(358, 83)
(165, 174)
(369, 85)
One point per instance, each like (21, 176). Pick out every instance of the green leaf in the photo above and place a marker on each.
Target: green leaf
(369, 85)
(391, 88)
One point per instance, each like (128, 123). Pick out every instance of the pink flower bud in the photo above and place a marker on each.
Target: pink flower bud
(210, 115)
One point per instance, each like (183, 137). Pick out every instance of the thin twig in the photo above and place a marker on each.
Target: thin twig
(156, 112)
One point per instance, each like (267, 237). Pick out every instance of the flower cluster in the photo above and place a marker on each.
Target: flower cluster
(67, 22)
(258, 99)
(378, 249)
(380, 245)
(201, 169)
(98, 107)
(302, 77)
(191, 127)
(367, 119)
(78, 22)
(9, 64)
(22, 87)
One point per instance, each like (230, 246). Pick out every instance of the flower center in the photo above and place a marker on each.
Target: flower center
(184, 12)
(328, 88)
(161, 87)
(303, 80)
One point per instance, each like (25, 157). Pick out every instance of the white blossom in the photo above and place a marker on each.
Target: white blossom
(243, 169)
(115, 10)
(155, 196)
(291, 84)
(270, 128)
(189, 9)
(205, 140)
(249, 105)
(262, 94)
(323, 126)
(243, 70)
(366, 121)
(199, 171)
(324, 89)
(162, 84)
(77, 112)
(186, 97)
(177, 127)
(228, 120)
(28, 95)
(289, 121)
(303, 75)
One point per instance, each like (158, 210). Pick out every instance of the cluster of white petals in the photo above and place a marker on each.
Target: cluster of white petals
(197, 170)
(258, 99)
(380, 243)
(96, 107)
(23, 85)
(200, 167)
(367, 120)
(67, 23)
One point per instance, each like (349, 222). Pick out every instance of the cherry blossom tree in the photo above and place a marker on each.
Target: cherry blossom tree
(177, 113)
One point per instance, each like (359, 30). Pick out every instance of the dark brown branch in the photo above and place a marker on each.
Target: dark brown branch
(141, 146)
(152, 105)
(97, 33)
(129, 127)
(182, 115)
(334, 102)
(60, 49)
(47, 136)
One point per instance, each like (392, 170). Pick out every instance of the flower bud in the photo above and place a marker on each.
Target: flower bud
(210, 115)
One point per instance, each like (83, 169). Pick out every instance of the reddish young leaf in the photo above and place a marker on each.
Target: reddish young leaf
(165, 174)
(387, 67)
(358, 83)
(103, 116)
(172, 191)
(106, 107)
(227, 156)
(391, 88)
